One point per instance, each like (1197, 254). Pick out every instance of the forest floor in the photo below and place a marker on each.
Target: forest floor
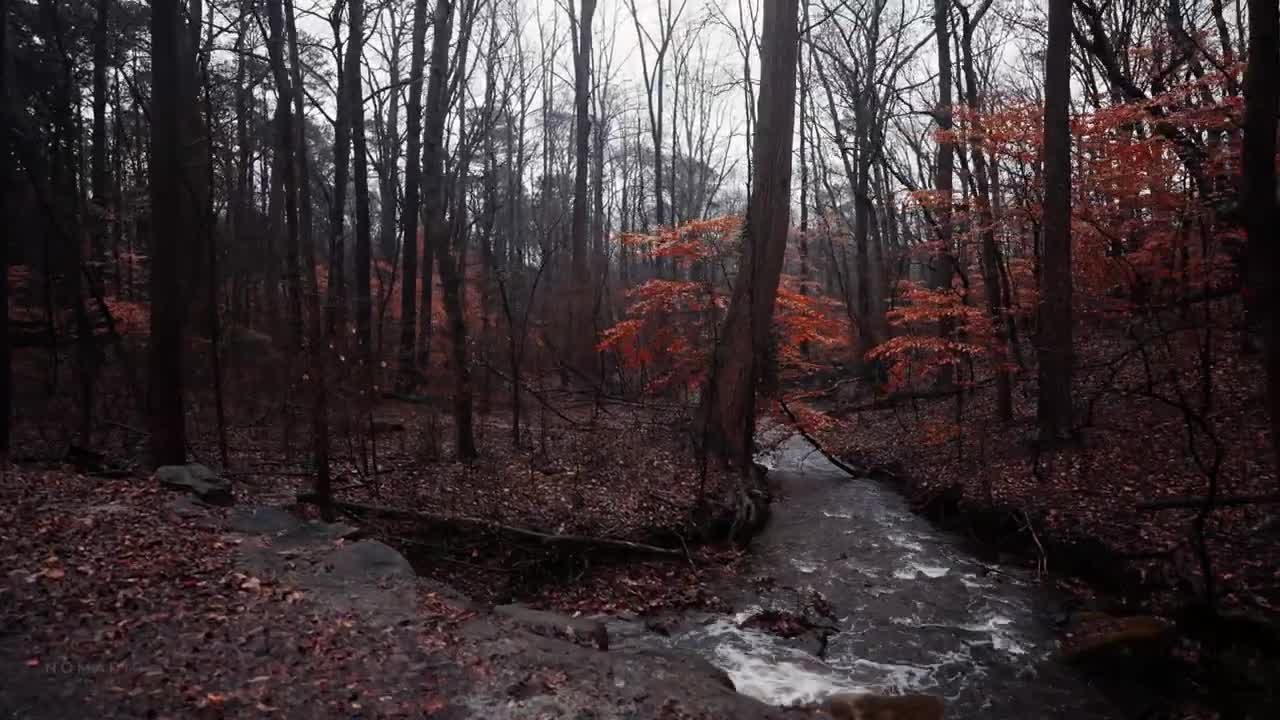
(121, 599)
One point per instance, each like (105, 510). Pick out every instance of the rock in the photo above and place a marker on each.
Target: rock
(316, 532)
(591, 684)
(188, 507)
(549, 624)
(197, 480)
(262, 520)
(369, 560)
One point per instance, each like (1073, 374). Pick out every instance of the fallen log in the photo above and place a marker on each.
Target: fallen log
(1183, 503)
(831, 458)
(476, 523)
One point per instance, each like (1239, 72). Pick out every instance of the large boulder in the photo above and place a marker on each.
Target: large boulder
(368, 560)
(197, 480)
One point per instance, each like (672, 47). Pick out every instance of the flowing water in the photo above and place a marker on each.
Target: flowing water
(914, 612)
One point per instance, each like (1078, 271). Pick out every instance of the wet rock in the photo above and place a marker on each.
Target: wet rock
(262, 520)
(549, 624)
(536, 676)
(197, 480)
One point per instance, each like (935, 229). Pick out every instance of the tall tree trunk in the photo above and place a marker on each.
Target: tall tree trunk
(578, 340)
(868, 333)
(315, 328)
(98, 173)
(335, 311)
(6, 168)
(284, 194)
(1262, 209)
(1054, 341)
(744, 347)
(166, 418)
(355, 103)
(437, 229)
(409, 218)
(941, 265)
(391, 161)
(302, 172)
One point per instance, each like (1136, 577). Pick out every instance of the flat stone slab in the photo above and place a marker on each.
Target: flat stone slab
(197, 480)
(550, 624)
(262, 520)
(316, 532)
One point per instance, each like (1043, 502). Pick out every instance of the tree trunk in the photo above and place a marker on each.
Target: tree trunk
(99, 175)
(1054, 342)
(167, 421)
(578, 341)
(409, 217)
(941, 265)
(335, 310)
(744, 348)
(437, 229)
(6, 167)
(391, 161)
(1262, 100)
(284, 192)
(355, 104)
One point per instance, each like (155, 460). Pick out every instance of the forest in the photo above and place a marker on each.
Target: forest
(862, 359)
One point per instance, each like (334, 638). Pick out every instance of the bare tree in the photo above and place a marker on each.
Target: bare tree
(668, 17)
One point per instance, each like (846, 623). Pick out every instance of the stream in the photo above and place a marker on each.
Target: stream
(914, 612)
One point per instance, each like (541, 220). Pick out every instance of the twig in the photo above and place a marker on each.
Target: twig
(1042, 563)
